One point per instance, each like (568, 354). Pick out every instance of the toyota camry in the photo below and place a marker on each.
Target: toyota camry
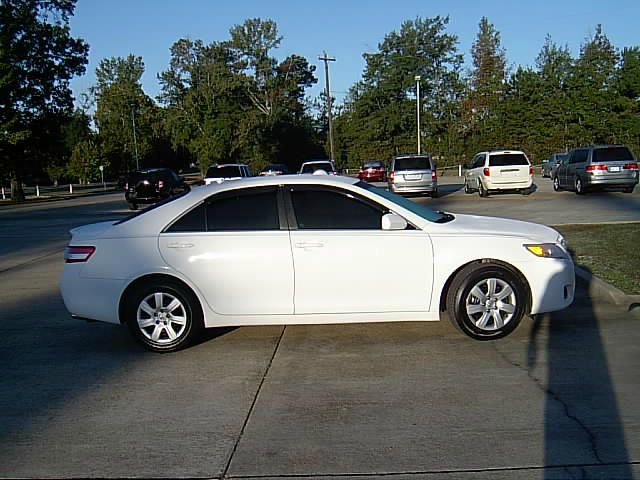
(309, 249)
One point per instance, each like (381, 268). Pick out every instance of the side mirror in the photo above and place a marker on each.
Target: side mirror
(391, 221)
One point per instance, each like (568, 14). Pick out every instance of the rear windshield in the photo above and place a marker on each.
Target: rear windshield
(613, 154)
(412, 163)
(505, 159)
(227, 171)
(153, 206)
(312, 167)
(373, 165)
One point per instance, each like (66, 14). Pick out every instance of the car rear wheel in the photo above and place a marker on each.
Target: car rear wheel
(526, 191)
(481, 190)
(628, 189)
(486, 301)
(556, 184)
(579, 186)
(164, 316)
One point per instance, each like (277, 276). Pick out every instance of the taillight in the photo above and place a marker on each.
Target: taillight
(126, 186)
(160, 183)
(391, 177)
(530, 170)
(486, 172)
(593, 168)
(434, 174)
(75, 254)
(631, 166)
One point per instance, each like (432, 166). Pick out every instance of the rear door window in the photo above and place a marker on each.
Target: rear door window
(613, 154)
(507, 159)
(227, 171)
(412, 163)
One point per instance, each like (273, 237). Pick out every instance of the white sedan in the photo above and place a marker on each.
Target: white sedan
(309, 249)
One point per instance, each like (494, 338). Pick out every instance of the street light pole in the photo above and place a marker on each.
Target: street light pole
(417, 79)
(135, 141)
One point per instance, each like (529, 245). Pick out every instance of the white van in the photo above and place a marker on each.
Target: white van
(499, 170)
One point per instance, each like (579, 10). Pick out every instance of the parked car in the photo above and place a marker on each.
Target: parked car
(274, 169)
(302, 249)
(550, 165)
(597, 167)
(414, 173)
(152, 185)
(313, 166)
(499, 170)
(226, 171)
(373, 171)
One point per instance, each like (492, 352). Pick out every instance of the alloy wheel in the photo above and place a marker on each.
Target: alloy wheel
(491, 304)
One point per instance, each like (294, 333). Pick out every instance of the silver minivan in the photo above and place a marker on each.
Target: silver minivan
(600, 166)
(414, 173)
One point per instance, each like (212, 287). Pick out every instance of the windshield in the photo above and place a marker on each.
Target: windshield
(373, 165)
(413, 207)
(227, 171)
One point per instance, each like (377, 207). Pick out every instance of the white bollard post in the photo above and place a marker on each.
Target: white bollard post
(459, 170)
(71, 188)
(4, 197)
(37, 190)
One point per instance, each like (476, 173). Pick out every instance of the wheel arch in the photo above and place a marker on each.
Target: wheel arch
(152, 278)
(489, 261)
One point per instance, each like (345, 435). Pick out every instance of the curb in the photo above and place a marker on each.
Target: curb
(601, 291)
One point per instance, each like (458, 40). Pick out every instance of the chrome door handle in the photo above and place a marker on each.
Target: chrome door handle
(306, 245)
(180, 245)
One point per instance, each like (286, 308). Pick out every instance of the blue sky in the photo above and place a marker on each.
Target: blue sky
(345, 29)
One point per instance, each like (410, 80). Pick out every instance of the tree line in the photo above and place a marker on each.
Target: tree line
(232, 101)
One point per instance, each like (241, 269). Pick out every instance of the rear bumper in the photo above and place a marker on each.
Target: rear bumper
(618, 181)
(90, 298)
(491, 185)
(406, 187)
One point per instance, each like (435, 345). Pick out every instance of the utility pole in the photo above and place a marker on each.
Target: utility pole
(417, 79)
(326, 61)
(135, 142)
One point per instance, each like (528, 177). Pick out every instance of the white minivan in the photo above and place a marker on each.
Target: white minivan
(499, 170)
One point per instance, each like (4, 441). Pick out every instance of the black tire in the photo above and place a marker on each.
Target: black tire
(435, 194)
(153, 325)
(628, 189)
(505, 302)
(482, 191)
(467, 188)
(526, 191)
(579, 186)
(133, 206)
(556, 184)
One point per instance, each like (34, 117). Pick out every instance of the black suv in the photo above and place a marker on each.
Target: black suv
(152, 185)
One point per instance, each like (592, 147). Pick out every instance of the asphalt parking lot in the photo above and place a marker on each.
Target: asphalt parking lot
(557, 399)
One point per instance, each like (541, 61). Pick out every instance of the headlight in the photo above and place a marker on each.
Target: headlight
(546, 250)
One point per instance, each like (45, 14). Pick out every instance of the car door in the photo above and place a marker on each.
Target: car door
(344, 261)
(562, 169)
(235, 250)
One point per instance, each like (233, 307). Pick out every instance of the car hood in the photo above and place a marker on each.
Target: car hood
(493, 226)
(93, 230)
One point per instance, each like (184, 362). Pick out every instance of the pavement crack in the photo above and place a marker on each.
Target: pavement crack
(548, 391)
(253, 404)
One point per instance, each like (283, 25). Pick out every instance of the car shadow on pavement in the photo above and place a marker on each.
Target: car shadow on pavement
(583, 429)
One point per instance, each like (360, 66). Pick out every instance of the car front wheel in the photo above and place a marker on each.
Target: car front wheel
(486, 301)
(164, 316)
(579, 186)
(556, 184)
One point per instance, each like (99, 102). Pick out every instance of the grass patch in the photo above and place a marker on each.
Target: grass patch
(609, 251)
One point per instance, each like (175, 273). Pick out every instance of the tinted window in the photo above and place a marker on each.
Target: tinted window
(331, 210)
(312, 167)
(579, 156)
(412, 163)
(193, 221)
(243, 210)
(226, 171)
(505, 159)
(558, 157)
(612, 154)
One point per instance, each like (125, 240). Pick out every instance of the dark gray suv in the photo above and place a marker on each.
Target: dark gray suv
(597, 167)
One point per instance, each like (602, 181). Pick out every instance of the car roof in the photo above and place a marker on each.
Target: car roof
(219, 165)
(317, 161)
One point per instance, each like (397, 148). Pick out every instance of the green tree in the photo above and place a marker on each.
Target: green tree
(38, 57)
(121, 104)
(379, 116)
